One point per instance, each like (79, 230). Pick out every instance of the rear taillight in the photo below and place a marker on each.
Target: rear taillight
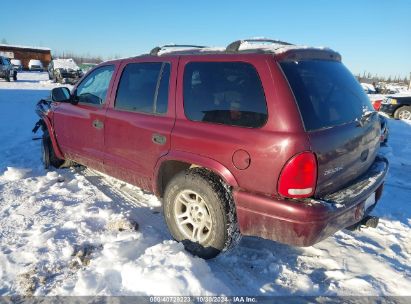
(299, 176)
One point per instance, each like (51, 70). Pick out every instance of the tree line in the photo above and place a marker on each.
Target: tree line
(368, 77)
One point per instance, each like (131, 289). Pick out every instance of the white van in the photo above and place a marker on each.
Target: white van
(35, 65)
(17, 65)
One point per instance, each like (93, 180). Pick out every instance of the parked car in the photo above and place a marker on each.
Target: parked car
(6, 69)
(397, 106)
(263, 138)
(64, 71)
(87, 66)
(17, 65)
(35, 65)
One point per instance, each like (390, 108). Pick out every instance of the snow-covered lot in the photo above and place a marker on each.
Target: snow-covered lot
(74, 232)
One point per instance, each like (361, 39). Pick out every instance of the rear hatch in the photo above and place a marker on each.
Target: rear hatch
(341, 124)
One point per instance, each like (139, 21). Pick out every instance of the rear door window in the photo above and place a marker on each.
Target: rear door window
(227, 93)
(326, 92)
(143, 87)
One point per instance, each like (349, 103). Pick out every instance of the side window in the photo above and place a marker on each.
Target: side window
(143, 88)
(227, 93)
(93, 89)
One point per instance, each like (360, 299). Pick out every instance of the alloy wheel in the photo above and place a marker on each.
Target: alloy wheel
(192, 216)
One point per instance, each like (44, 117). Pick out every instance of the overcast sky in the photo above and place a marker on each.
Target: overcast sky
(372, 36)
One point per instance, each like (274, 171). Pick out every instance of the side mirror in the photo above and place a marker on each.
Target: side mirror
(61, 94)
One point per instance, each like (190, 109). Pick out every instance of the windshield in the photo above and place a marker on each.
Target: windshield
(326, 92)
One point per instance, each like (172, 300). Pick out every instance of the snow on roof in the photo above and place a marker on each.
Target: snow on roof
(65, 64)
(402, 94)
(276, 48)
(251, 44)
(26, 47)
(367, 86)
(168, 50)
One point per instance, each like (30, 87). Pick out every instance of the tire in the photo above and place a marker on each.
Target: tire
(49, 158)
(7, 78)
(403, 113)
(15, 76)
(207, 224)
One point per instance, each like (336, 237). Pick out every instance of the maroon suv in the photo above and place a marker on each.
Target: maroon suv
(262, 138)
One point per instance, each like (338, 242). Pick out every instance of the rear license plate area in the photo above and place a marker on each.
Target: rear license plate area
(369, 201)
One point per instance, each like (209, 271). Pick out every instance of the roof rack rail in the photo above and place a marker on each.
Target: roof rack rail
(157, 49)
(235, 46)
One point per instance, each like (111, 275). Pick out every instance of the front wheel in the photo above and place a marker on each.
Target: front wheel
(200, 213)
(403, 113)
(48, 156)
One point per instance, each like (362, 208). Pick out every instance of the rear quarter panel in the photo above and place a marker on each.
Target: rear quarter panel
(269, 147)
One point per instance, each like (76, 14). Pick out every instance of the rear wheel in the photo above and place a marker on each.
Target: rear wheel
(15, 76)
(199, 213)
(403, 113)
(49, 158)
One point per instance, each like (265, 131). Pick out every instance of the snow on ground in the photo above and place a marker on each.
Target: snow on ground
(29, 80)
(75, 232)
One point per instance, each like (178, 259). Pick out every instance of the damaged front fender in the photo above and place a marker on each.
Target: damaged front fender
(43, 111)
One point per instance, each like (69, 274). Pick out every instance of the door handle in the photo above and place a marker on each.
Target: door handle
(98, 124)
(159, 139)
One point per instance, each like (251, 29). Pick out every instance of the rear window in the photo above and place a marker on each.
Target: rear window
(227, 93)
(326, 92)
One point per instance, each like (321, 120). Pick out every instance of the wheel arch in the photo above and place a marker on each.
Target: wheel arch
(53, 139)
(174, 162)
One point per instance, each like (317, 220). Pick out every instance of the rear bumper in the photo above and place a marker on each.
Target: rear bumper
(306, 222)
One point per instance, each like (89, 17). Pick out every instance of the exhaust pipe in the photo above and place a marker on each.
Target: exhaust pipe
(369, 222)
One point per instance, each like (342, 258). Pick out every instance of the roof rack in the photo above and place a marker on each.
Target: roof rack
(157, 49)
(235, 46)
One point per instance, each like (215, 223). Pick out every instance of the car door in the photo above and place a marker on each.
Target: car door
(80, 127)
(140, 119)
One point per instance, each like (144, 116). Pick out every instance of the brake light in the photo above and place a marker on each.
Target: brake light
(299, 176)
